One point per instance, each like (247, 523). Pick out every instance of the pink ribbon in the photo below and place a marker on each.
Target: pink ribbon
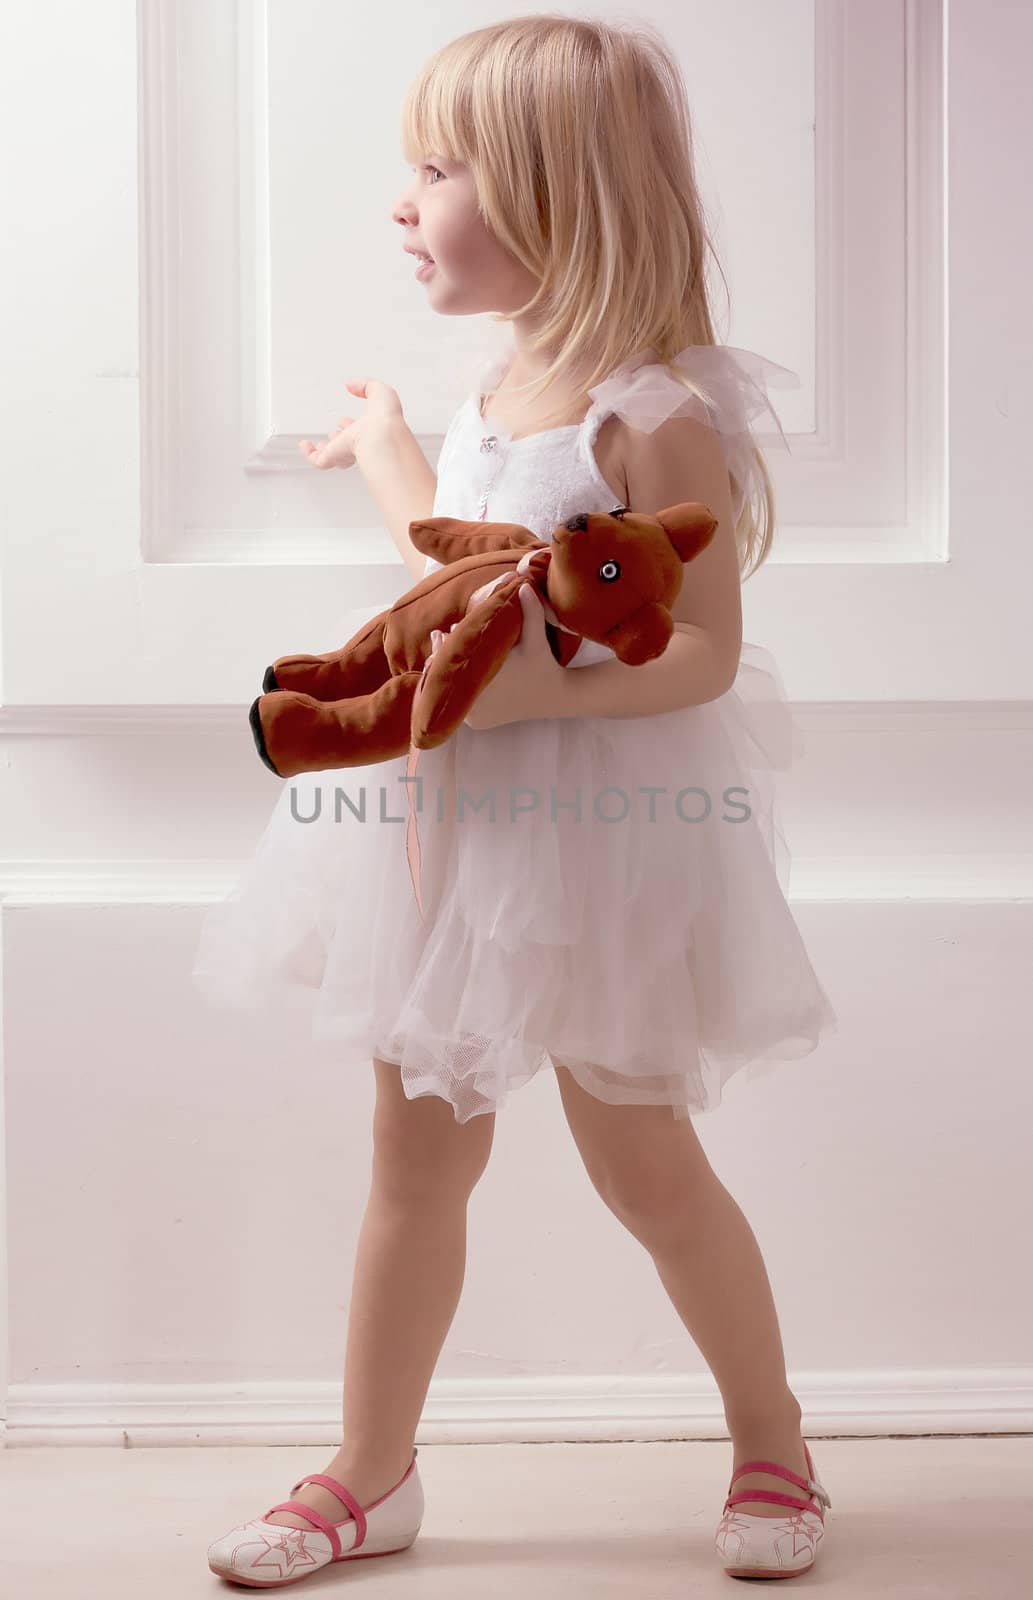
(412, 831)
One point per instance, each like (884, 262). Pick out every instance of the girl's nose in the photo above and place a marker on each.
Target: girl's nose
(404, 212)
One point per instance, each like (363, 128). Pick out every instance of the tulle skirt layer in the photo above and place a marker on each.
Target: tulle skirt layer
(606, 893)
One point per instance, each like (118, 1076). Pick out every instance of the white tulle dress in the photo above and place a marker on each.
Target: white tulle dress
(644, 942)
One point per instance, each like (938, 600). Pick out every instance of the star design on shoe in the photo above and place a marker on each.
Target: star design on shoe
(285, 1549)
(737, 1530)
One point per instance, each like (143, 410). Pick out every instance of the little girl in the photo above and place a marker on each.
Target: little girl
(617, 910)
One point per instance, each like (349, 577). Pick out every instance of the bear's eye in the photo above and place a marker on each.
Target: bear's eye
(610, 571)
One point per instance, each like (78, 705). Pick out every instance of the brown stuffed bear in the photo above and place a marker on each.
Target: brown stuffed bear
(408, 678)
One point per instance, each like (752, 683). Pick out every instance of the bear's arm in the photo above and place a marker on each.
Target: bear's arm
(448, 539)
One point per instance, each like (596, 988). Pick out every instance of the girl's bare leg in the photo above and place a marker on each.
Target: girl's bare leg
(654, 1175)
(409, 1270)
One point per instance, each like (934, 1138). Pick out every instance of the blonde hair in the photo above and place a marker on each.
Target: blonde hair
(579, 139)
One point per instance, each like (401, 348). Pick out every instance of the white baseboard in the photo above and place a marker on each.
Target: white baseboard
(532, 1410)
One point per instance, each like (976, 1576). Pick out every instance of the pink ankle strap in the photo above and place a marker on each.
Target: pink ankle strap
(815, 1491)
(320, 1522)
(773, 1497)
(774, 1468)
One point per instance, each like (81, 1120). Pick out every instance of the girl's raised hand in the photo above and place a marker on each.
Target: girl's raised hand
(383, 410)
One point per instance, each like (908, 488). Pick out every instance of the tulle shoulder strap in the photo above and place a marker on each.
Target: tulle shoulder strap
(722, 385)
(727, 386)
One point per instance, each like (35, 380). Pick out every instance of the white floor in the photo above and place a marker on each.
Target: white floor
(911, 1519)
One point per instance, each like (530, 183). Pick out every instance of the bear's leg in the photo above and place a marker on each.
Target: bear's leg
(296, 733)
(358, 668)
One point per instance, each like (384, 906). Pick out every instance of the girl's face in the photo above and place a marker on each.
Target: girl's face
(471, 271)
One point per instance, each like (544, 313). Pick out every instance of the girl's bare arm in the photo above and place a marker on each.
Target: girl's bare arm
(383, 446)
(401, 481)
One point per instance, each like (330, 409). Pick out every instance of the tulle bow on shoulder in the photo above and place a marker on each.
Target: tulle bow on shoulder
(730, 388)
(729, 391)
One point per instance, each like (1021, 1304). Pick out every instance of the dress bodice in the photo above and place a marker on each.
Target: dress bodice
(539, 480)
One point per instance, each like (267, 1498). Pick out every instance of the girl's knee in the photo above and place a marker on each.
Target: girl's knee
(420, 1152)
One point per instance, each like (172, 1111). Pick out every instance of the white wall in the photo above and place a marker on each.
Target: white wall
(202, 252)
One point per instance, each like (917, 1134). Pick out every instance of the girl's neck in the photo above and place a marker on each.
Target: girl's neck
(526, 410)
(525, 413)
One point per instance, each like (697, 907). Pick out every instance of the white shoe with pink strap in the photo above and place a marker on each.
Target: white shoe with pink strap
(772, 1547)
(269, 1555)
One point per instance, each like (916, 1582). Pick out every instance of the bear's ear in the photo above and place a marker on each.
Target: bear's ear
(689, 526)
(448, 539)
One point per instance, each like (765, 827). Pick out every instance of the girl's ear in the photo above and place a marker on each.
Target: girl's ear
(689, 526)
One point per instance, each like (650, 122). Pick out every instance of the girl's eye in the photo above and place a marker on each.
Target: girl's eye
(434, 169)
